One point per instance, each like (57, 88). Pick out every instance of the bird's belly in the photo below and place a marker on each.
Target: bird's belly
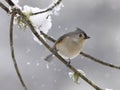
(70, 51)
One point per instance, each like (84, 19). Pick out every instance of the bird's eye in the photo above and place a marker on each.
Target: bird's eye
(80, 35)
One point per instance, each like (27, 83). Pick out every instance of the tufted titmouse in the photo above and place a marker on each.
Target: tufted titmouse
(69, 45)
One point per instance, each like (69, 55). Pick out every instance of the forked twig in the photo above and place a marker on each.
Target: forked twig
(12, 51)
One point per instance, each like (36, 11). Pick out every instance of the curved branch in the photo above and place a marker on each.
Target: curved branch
(57, 55)
(49, 9)
(85, 55)
(12, 51)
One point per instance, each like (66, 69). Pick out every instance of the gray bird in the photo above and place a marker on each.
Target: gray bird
(69, 45)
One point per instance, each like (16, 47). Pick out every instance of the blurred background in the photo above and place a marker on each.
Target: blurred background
(100, 19)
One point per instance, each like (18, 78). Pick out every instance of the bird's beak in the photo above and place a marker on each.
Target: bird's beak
(87, 37)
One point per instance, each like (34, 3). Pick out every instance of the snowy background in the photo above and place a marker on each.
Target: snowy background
(100, 19)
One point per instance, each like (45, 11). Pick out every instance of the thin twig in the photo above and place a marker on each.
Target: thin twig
(48, 37)
(49, 9)
(85, 55)
(99, 61)
(12, 52)
(57, 55)
(4, 7)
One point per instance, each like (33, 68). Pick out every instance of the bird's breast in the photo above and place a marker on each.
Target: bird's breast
(69, 48)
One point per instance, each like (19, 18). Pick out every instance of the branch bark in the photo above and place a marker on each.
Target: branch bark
(4, 7)
(10, 2)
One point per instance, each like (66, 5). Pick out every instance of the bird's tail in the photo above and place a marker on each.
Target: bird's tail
(49, 58)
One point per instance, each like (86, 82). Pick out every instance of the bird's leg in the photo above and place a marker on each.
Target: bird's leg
(69, 62)
(54, 51)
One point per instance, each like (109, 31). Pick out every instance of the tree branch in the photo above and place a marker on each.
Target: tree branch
(48, 37)
(49, 9)
(85, 55)
(12, 51)
(4, 7)
(57, 55)
(99, 61)
(10, 2)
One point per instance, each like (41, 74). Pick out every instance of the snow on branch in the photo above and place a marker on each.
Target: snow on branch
(40, 18)
(54, 7)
